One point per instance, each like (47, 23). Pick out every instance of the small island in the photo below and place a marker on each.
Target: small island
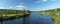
(6, 14)
(54, 13)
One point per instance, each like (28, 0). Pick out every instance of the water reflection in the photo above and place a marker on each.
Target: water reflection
(24, 20)
(34, 18)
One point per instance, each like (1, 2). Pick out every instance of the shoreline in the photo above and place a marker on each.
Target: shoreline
(55, 16)
(49, 15)
(11, 17)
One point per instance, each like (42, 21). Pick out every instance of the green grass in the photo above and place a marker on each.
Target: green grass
(55, 14)
(6, 14)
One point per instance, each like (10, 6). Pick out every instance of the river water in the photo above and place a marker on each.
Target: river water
(33, 18)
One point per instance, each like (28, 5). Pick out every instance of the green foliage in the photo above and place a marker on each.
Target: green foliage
(6, 11)
(10, 14)
(55, 14)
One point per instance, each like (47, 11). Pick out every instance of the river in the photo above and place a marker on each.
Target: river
(33, 18)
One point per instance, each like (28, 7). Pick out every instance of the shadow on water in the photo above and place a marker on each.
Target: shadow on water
(1, 19)
(33, 18)
(24, 20)
(6, 21)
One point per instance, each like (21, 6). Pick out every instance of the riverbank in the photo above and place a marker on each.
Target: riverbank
(12, 14)
(55, 14)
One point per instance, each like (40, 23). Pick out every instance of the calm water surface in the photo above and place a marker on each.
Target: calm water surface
(33, 18)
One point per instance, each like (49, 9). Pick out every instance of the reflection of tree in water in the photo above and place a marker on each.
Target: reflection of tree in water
(1, 19)
(24, 20)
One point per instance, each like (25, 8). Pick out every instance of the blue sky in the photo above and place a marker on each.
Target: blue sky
(33, 5)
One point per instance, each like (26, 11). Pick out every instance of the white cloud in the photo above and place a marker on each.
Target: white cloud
(37, 1)
(10, 6)
(44, 0)
(3, 8)
(20, 7)
(40, 1)
(21, 3)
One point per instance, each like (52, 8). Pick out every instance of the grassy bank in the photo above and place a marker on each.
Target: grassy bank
(54, 13)
(12, 14)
